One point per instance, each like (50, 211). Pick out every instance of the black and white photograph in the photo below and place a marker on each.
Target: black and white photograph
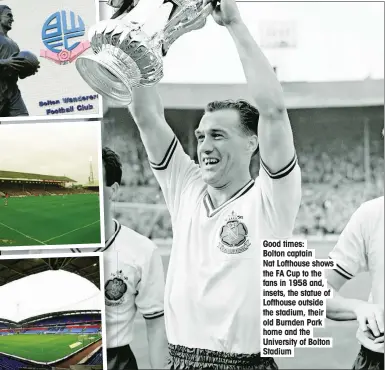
(215, 198)
(39, 45)
(261, 120)
(51, 191)
(52, 312)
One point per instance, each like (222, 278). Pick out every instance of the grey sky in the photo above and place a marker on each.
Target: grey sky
(51, 148)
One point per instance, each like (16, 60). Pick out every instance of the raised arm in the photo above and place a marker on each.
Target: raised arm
(172, 167)
(148, 113)
(274, 131)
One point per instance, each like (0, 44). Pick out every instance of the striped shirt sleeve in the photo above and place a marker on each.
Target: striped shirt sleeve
(150, 297)
(281, 197)
(174, 173)
(349, 254)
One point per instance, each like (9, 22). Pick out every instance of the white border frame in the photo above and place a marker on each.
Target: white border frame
(31, 248)
(62, 117)
(101, 280)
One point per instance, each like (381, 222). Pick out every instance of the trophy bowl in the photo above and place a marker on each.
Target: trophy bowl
(127, 56)
(124, 58)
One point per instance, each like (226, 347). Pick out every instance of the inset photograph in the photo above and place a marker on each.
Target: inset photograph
(50, 184)
(38, 50)
(52, 312)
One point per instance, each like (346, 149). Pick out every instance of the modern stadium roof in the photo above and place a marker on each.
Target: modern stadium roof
(10, 175)
(31, 320)
(14, 269)
(32, 287)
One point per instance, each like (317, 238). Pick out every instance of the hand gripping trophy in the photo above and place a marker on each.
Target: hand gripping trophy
(129, 53)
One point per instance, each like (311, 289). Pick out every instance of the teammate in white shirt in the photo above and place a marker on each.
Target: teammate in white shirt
(220, 214)
(134, 280)
(361, 248)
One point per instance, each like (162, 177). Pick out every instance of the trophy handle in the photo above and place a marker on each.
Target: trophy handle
(175, 28)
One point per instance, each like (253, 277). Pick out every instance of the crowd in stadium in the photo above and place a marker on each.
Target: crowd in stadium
(335, 182)
(31, 190)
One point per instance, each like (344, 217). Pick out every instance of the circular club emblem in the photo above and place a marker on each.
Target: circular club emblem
(233, 236)
(115, 289)
(63, 34)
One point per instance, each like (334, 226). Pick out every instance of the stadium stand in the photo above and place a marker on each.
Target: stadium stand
(54, 338)
(9, 363)
(60, 325)
(70, 319)
(55, 325)
(72, 323)
(340, 151)
(96, 358)
(18, 184)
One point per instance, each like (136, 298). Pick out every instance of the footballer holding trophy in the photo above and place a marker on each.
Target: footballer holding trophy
(128, 50)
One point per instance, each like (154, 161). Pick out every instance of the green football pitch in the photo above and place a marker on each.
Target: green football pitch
(50, 220)
(44, 348)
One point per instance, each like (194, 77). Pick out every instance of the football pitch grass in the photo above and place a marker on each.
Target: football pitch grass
(44, 347)
(50, 220)
(345, 346)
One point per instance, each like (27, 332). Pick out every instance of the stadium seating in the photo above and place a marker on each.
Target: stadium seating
(335, 179)
(27, 189)
(90, 330)
(70, 319)
(8, 363)
(38, 331)
(96, 358)
(74, 326)
(79, 330)
(6, 331)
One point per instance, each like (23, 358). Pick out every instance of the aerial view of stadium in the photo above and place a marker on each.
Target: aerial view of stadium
(55, 320)
(336, 110)
(49, 184)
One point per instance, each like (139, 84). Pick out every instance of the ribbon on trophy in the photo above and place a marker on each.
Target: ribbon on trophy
(65, 56)
(129, 48)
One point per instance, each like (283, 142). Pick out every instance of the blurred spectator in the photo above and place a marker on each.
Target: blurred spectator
(334, 181)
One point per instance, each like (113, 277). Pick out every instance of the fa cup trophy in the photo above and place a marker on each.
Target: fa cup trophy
(129, 53)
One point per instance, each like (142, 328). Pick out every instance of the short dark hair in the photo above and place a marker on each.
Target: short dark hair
(249, 114)
(3, 8)
(112, 166)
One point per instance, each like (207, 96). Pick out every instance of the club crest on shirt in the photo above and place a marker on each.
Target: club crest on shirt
(233, 235)
(115, 288)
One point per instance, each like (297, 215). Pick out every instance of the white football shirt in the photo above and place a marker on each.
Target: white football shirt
(133, 281)
(360, 248)
(213, 280)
